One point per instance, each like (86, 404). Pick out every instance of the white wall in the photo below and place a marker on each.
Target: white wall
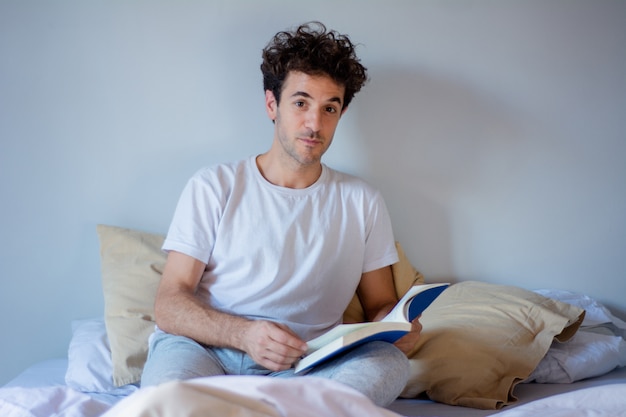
(496, 131)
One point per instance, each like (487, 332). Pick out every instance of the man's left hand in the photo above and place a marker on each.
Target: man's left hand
(407, 342)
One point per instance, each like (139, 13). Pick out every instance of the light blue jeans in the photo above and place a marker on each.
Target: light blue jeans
(379, 370)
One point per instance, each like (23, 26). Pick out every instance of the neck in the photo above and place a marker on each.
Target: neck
(288, 175)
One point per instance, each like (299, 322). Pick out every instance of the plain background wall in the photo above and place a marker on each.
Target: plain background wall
(496, 131)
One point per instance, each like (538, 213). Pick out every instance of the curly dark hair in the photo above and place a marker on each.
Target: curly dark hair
(313, 50)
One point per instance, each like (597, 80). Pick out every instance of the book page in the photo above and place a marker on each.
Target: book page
(399, 314)
(332, 334)
(401, 311)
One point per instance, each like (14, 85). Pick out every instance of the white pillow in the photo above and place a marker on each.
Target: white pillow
(90, 368)
(585, 355)
(590, 352)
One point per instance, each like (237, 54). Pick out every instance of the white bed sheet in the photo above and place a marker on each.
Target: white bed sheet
(40, 391)
(52, 401)
(602, 401)
(50, 372)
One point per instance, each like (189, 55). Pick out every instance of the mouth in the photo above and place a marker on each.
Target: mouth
(309, 141)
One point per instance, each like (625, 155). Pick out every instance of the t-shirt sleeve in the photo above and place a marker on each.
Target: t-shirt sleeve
(194, 224)
(380, 247)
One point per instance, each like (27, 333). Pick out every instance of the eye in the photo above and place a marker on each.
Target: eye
(299, 103)
(331, 109)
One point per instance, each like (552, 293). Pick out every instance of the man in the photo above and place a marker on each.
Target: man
(266, 253)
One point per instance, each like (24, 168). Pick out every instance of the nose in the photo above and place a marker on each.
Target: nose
(314, 120)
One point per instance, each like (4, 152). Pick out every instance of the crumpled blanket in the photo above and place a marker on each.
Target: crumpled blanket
(248, 396)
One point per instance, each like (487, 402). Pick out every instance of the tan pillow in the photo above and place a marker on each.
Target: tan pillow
(131, 264)
(404, 277)
(479, 340)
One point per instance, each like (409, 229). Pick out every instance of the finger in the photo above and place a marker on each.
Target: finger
(416, 327)
(283, 353)
(287, 337)
(274, 361)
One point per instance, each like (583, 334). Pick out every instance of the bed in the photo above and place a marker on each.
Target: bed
(486, 349)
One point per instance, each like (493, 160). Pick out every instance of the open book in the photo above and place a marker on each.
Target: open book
(391, 328)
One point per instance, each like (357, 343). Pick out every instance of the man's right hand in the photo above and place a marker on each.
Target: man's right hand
(272, 345)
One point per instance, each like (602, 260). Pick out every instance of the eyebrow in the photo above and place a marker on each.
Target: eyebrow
(307, 95)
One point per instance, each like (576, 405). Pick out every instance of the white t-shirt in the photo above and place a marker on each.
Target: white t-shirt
(293, 256)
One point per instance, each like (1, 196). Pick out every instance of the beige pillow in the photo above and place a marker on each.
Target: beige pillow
(131, 263)
(479, 340)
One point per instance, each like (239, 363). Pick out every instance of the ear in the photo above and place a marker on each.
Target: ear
(271, 105)
(344, 110)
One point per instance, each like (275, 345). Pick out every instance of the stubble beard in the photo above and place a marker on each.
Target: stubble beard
(299, 153)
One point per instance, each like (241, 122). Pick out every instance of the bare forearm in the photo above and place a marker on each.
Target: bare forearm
(179, 311)
(270, 344)
(184, 314)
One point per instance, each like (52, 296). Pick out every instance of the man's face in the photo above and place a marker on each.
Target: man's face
(306, 117)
